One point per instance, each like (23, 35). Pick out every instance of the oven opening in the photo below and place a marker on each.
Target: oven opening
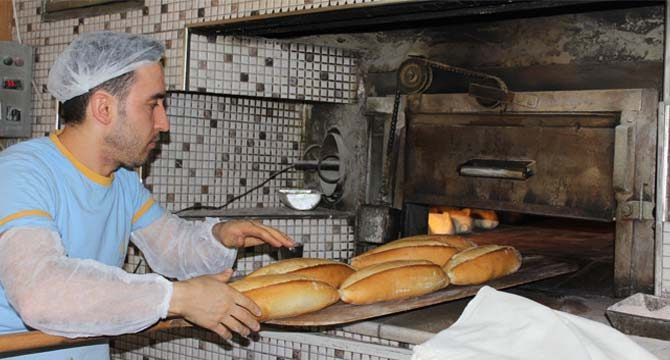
(587, 243)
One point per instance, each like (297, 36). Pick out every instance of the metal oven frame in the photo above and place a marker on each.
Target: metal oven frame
(634, 165)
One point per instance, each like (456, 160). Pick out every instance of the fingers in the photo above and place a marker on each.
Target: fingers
(282, 238)
(239, 321)
(246, 319)
(250, 241)
(242, 317)
(222, 331)
(224, 276)
(241, 233)
(269, 235)
(234, 325)
(248, 304)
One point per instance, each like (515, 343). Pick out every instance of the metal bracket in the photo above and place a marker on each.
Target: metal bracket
(637, 210)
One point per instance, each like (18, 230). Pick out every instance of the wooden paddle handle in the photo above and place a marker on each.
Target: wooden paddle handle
(31, 340)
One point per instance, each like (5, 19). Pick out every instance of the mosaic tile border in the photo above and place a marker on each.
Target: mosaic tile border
(274, 69)
(194, 343)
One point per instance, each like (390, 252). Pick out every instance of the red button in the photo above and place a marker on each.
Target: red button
(11, 84)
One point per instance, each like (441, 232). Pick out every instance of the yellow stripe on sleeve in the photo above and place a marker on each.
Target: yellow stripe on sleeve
(143, 210)
(24, 213)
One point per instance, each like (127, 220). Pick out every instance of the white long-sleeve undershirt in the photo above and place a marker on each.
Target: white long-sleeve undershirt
(81, 297)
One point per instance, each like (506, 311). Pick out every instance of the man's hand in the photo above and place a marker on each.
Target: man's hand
(244, 233)
(209, 302)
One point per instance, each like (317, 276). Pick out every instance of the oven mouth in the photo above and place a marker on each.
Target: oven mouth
(587, 243)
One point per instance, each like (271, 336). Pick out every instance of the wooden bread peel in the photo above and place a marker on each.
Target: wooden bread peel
(534, 268)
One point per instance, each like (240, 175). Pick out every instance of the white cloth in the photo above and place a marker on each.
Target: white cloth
(497, 325)
(81, 297)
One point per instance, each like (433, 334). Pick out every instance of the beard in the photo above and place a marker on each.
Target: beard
(125, 145)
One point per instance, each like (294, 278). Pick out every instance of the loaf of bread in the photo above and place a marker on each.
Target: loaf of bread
(286, 295)
(329, 271)
(459, 242)
(462, 220)
(427, 248)
(448, 220)
(480, 264)
(484, 219)
(440, 223)
(393, 280)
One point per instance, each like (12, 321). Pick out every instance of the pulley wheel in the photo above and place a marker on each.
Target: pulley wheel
(414, 76)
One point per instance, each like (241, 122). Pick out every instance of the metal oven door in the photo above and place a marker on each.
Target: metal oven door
(549, 164)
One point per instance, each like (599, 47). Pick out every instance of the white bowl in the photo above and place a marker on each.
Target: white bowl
(299, 199)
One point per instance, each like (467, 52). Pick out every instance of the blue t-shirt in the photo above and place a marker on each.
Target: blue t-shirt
(42, 185)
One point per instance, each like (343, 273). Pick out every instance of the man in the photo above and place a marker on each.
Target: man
(70, 202)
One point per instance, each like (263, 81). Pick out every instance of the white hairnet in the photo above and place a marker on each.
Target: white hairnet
(93, 58)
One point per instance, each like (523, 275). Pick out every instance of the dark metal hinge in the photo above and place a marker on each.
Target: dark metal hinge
(637, 210)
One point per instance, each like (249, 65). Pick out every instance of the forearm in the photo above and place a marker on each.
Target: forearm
(75, 297)
(182, 249)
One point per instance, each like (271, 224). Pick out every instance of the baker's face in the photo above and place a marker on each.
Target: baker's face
(141, 118)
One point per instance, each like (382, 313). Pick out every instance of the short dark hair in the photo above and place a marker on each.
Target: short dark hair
(73, 110)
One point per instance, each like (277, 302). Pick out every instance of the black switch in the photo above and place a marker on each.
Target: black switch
(14, 115)
(7, 61)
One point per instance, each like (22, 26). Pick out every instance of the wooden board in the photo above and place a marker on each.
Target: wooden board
(533, 268)
(31, 340)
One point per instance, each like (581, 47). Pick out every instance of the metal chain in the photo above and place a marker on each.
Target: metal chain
(464, 72)
(385, 188)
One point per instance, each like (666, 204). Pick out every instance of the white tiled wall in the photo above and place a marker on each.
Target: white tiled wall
(191, 343)
(271, 68)
(665, 261)
(220, 146)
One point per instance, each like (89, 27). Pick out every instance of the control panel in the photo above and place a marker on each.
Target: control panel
(16, 71)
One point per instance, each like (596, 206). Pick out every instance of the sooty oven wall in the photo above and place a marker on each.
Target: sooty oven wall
(605, 49)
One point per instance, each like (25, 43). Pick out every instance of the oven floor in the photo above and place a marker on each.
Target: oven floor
(588, 244)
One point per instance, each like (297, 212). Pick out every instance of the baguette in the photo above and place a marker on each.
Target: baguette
(393, 280)
(329, 271)
(439, 218)
(440, 223)
(484, 219)
(286, 295)
(483, 263)
(462, 220)
(459, 242)
(428, 248)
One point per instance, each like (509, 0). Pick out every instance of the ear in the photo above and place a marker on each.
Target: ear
(102, 106)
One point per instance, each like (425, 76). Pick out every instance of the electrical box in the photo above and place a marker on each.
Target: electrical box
(16, 73)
